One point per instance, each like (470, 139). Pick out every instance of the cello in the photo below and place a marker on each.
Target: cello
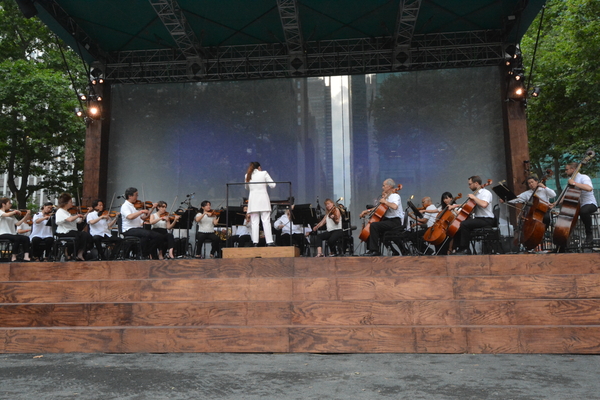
(376, 215)
(436, 234)
(569, 211)
(533, 227)
(465, 211)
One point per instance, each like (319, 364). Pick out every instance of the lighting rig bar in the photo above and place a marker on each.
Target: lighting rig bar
(323, 58)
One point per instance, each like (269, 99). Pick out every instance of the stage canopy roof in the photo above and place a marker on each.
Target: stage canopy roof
(142, 41)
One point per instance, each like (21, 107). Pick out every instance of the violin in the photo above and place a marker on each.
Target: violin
(111, 214)
(569, 211)
(375, 216)
(436, 234)
(171, 216)
(143, 205)
(215, 213)
(533, 227)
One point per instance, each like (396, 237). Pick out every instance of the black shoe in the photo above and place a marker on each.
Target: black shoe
(272, 244)
(255, 244)
(463, 252)
(371, 253)
(589, 238)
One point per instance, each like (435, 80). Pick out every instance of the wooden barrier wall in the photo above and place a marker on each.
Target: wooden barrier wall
(471, 304)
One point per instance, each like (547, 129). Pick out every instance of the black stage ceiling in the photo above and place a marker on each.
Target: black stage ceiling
(143, 41)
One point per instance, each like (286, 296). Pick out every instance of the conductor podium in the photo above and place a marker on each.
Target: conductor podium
(261, 252)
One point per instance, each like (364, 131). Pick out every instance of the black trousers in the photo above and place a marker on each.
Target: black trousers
(82, 239)
(98, 240)
(298, 240)
(463, 235)
(585, 214)
(214, 240)
(332, 237)
(150, 240)
(40, 245)
(379, 228)
(168, 241)
(17, 240)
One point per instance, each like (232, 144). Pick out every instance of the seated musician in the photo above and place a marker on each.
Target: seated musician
(8, 229)
(540, 190)
(446, 200)
(242, 232)
(287, 228)
(483, 215)
(207, 220)
(41, 233)
(101, 224)
(333, 221)
(161, 222)
(392, 219)
(133, 224)
(587, 201)
(66, 225)
(429, 212)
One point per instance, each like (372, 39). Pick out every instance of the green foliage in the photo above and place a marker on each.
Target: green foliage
(564, 121)
(39, 134)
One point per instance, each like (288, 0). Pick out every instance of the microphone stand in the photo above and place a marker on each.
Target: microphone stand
(188, 203)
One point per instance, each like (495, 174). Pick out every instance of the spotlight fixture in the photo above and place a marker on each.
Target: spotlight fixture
(97, 81)
(536, 92)
(82, 97)
(519, 91)
(94, 111)
(98, 98)
(520, 76)
(78, 112)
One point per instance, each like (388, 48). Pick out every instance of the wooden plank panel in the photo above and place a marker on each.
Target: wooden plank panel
(314, 289)
(231, 340)
(261, 252)
(493, 340)
(64, 315)
(224, 268)
(344, 313)
(242, 289)
(4, 272)
(484, 312)
(82, 270)
(588, 286)
(352, 340)
(557, 312)
(411, 288)
(545, 264)
(560, 340)
(316, 267)
(515, 287)
(468, 265)
(441, 340)
(81, 340)
(390, 266)
(434, 312)
(70, 291)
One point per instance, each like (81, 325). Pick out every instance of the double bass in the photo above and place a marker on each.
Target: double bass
(569, 211)
(376, 215)
(532, 223)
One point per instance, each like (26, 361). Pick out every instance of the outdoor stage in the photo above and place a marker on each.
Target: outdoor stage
(447, 304)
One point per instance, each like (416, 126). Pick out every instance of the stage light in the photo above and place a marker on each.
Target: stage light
(94, 111)
(519, 91)
(78, 112)
(97, 81)
(536, 92)
(82, 97)
(98, 98)
(520, 76)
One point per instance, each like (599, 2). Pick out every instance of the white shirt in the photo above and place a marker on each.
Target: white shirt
(206, 224)
(126, 209)
(543, 193)
(331, 225)
(159, 224)
(430, 216)
(586, 197)
(40, 229)
(288, 227)
(100, 228)
(398, 212)
(62, 225)
(481, 212)
(7, 224)
(258, 198)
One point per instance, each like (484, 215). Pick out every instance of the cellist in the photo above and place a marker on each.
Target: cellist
(587, 201)
(392, 219)
(540, 190)
(484, 216)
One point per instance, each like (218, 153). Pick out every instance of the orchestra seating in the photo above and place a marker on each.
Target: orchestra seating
(529, 303)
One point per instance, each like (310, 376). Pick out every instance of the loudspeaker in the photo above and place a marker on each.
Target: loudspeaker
(27, 8)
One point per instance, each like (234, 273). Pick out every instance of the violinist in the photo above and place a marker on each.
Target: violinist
(242, 232)
(101, 223)
(333, 222)
(483, 214)
(391, 220)
(8, 229)
(207, 219)
(162, 222)
(587, 200)
(540, 190)
(41, 233)
(66, 225)
(133, 223)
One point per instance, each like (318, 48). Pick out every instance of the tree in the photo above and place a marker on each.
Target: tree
(564, 121)
(39, 133)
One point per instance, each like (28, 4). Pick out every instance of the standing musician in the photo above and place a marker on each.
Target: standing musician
(41, 233)
(391, 220)
(540, 190)
(161, 222)
(333, 221)
(587, 201)
(66, 225)
(207, 219)
(8, 230)
(133, 224)
(259, 203)
(100, 227)
(483, 214)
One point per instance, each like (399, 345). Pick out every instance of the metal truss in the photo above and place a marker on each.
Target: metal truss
(324, 58)
(290, 22)
(408, 12)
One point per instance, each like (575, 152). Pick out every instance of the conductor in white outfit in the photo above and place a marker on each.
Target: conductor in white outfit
(259, 204)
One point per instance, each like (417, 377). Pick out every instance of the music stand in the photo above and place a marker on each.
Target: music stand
(414, 209)
(185, 221)
(504, 192)
(303, 214)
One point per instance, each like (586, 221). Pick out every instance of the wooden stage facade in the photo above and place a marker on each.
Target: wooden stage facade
(451, 304)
